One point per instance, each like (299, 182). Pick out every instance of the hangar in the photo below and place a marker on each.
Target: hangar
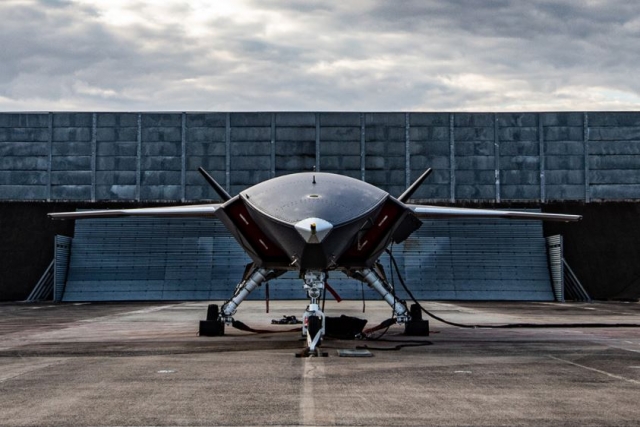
(584, 163)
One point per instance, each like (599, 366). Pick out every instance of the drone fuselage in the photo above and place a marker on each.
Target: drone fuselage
(316, 221)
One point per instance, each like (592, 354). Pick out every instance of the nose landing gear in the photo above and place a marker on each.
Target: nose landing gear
(313, 319)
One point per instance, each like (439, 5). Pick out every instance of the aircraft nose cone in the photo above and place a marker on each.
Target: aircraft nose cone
(313, 230)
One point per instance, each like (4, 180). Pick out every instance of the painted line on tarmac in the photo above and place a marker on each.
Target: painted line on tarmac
(313, 377)
(607, 342)
(596, 370)
(13, 373)
(313, 368)
(128, 313)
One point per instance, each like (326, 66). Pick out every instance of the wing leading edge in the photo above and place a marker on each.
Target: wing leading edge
(168, 211)
(425, 211)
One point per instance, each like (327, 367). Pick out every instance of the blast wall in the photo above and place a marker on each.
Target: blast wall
(583, 162)
(475, 156)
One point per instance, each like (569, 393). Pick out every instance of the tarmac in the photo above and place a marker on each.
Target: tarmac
(142, 364)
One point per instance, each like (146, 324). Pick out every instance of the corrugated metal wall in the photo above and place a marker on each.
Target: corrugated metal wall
(61, 266)
(197, 259)
(479, 259)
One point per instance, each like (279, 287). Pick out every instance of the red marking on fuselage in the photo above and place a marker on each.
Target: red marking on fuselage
(366, 243)
(259, 241)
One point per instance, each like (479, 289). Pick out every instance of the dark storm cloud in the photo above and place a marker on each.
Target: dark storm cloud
(320, 55)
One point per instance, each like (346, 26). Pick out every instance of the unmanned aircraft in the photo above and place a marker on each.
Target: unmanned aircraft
(315, 223)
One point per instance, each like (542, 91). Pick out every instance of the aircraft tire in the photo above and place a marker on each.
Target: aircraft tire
(211, 328)
(213, 312)
(415, 312)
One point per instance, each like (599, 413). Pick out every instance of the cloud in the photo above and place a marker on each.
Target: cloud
(458, 55)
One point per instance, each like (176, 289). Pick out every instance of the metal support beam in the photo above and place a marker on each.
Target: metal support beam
(50, 156)
(452, 160)
(496, 155)
(94, 154)
(407, 152)
(273, 145)
(543, 161)
(62, 256)
(227, 153)
(555, 253)
(585, 137)
(318, 142)
(183, 158)
(139, 158)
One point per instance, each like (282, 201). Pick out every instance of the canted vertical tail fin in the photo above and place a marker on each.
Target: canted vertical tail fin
(214, 184)
(404, 197)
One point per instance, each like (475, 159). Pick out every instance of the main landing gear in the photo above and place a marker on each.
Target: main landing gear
(314, 320)
(412, 320)
(218, 318)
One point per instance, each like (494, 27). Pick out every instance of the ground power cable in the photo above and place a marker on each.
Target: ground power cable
(405, 344)
(504, 326)
(244, 327)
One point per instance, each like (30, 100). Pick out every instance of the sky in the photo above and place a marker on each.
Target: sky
(319, 55)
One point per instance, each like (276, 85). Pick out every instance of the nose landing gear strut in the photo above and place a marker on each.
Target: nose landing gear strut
(313, 319)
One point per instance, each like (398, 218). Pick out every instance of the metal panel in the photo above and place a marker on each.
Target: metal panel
(481, 259)
(560, 156)
(197, 259)
(61, 257)
(556, 266)
(152, 259)
(565, 282)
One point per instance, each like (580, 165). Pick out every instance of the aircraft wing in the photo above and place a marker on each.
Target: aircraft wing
(165, 211)
(426, 211)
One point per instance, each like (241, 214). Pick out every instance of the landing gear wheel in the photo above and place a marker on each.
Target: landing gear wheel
(314, 326)
(213, 312)
(416, 327)
(415, 312)
(212, 327)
